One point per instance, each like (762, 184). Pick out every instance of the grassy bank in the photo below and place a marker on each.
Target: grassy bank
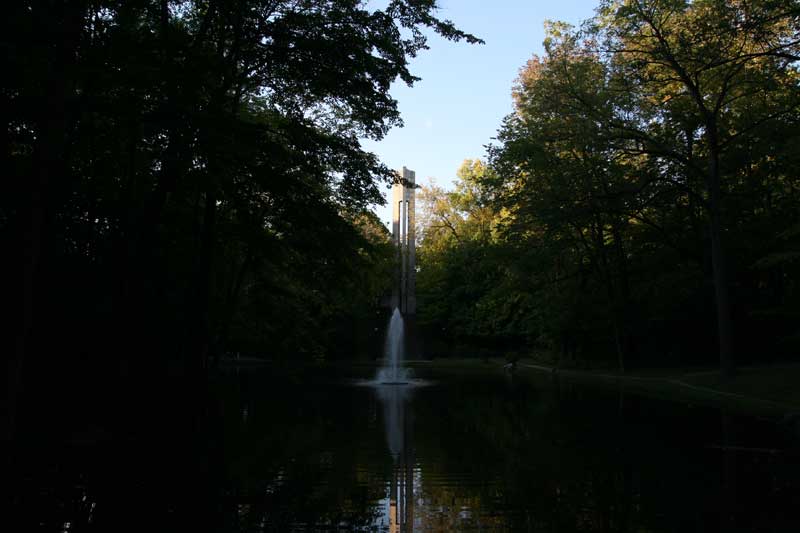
(771, 389)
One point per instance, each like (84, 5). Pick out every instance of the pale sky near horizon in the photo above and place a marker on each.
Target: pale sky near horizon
(465, 91)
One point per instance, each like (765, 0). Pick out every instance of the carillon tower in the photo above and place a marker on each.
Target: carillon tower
(403, 293)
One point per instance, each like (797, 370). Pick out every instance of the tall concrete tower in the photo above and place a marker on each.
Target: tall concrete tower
(404, 291)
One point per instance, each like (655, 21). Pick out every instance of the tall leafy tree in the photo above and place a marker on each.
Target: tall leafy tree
(707, 73)
(643, 178)
(164, 157)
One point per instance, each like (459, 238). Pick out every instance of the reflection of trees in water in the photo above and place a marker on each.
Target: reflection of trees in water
(550, 457)
(543, 456)
(539, 457)
(302, 459)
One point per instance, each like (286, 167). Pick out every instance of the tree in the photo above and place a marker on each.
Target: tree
(177, 152)
(714, 69)
(646, 171)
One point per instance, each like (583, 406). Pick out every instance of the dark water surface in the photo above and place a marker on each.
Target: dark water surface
(465, 452)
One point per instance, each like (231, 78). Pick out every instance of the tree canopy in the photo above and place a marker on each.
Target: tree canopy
(185, 178)
(643, 193)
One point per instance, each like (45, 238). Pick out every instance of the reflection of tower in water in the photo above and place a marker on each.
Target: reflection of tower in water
(401, 497)
(397, 422)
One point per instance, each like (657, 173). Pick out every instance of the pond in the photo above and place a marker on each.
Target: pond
(459, 451)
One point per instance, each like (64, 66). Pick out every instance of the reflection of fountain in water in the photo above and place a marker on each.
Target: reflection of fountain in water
(392, 371)
(395, 398)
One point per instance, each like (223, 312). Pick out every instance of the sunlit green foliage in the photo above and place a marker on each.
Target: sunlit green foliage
(643, 192)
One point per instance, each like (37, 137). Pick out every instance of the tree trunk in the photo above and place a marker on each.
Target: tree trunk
(230, 306)
(31, 256)
(624, 296)
(205, 275)
(617, 320)
(67, 23)
(719, 259)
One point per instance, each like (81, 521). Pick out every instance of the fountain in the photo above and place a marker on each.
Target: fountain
(392, 373)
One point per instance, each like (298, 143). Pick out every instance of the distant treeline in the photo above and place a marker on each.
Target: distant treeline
(641, 205)
(184, 179)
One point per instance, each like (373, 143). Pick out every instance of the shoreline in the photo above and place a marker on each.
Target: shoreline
(754, 390)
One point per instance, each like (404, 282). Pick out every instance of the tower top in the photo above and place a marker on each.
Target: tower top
(409, 176)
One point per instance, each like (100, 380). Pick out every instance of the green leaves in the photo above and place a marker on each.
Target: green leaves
(627, 138)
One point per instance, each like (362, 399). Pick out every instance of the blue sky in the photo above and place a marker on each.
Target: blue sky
(465, 91)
